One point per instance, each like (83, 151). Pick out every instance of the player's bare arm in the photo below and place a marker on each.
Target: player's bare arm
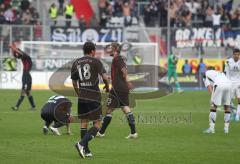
(210, 88)
(76, 87)
(16, 50)
(126, 77)
(105, 81)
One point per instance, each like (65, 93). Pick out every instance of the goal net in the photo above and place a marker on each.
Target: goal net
(48, 57)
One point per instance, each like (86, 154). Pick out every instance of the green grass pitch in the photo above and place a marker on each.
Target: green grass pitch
(170, 131)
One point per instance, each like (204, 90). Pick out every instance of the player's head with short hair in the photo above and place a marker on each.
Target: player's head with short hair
(236, 54)
(89, 48)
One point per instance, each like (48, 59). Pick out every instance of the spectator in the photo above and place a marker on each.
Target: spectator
(34, 14)
(234, 19)
(24, 5)
(61, 2)
(186, 18)
(69, 10)
(8, 14)
(201, 69)
(18, 19)
(216, 19)
(53, 13)
(2, 7)
(216, 23)
(187, 68)
(228, 6)
(147, 15)
(7, 3)
(37, 31)
(2, 18)
(82, 23)
(153, 13)
(163, 15)
(173, 14)
(102, 6)
(208, 17)
(105, 11)
(224, 17)
(118, 8)
(127, 14)
(26, 17)
(193, 7)
(133, 7)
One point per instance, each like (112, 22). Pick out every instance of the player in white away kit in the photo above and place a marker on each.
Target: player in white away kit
(232, 69)
(220, 88)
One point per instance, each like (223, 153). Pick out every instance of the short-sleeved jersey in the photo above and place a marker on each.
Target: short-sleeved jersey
(26, 61)
(118, 81)
(86, 71)
(232, 70)
(56, 103)
(213, 77)
(171, 61)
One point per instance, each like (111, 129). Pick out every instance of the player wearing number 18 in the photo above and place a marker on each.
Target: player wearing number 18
(85, 78)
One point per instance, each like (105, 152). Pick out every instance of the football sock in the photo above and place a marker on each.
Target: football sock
(83, 133)
(177, 85)
(106, 121)
(212, 118)
(227, 116)
(30, 98)
(47, 124)
(238, 110)
(19, 101)
(91, 133)
(131, 122)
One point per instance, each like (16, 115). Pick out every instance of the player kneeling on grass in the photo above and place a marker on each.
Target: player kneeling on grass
(220, 88)
(119, 94)
(57, 110)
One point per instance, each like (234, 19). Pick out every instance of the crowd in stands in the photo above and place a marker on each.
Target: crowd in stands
(117, 8)
(182, 13)
(207, 13)
(18, 12)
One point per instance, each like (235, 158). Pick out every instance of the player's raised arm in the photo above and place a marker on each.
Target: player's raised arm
(16, 51)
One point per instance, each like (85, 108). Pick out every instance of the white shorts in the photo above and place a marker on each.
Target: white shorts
(222, 94)
(236, 90)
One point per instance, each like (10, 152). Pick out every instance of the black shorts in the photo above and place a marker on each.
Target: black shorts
(48, 118)
(117, 99)
(26, 82)
(91, 110)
